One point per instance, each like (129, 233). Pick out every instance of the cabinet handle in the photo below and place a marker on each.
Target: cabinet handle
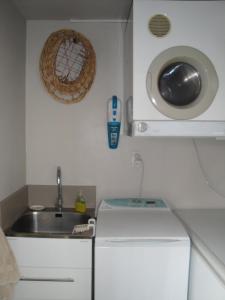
(47, 279)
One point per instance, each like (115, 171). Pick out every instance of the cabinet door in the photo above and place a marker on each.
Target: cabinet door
(53, 269)
(53, 284)
(51, 252)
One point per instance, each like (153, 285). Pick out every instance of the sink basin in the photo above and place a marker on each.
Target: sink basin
(48, 222)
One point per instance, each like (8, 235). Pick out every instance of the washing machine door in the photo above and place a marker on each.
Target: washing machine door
(182, 82)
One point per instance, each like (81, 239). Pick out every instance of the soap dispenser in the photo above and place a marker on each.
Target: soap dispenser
(80, 203)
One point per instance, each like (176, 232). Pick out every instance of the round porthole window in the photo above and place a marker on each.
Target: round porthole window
(182, 82)
(179, 84)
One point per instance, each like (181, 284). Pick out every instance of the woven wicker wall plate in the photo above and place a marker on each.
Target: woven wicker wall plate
(67, 65)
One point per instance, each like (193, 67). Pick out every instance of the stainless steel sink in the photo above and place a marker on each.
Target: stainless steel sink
(49, 222)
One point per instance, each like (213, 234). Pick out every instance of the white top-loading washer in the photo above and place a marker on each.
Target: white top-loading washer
(141, 252)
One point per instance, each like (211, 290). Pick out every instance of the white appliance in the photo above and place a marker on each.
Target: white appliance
(141, 252)
(174, 68)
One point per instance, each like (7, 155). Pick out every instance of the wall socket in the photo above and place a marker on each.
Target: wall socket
(136, 160)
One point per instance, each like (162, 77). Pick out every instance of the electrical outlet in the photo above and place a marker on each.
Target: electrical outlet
(136, 160)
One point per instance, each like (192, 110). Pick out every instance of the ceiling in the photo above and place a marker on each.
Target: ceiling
(73, 9)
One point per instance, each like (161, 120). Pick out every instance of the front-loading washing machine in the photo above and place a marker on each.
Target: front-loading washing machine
(178, 63)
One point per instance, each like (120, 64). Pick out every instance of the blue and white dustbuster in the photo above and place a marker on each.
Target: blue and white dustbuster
(114, 121)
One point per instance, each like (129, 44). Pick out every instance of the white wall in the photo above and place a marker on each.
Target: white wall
(74, 136)
(12, 99)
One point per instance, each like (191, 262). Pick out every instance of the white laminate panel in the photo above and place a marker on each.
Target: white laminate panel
(204, 284)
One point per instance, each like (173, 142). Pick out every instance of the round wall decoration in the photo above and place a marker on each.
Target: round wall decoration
(67, 65)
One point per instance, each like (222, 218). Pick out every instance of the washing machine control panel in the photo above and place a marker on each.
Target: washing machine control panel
(133, 203)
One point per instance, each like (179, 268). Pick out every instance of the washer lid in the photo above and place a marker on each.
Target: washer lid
(143, 224)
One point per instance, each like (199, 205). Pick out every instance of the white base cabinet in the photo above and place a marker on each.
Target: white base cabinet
(53, 269)
(204, 284)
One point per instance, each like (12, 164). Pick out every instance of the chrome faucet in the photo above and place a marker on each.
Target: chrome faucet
(59, 202)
